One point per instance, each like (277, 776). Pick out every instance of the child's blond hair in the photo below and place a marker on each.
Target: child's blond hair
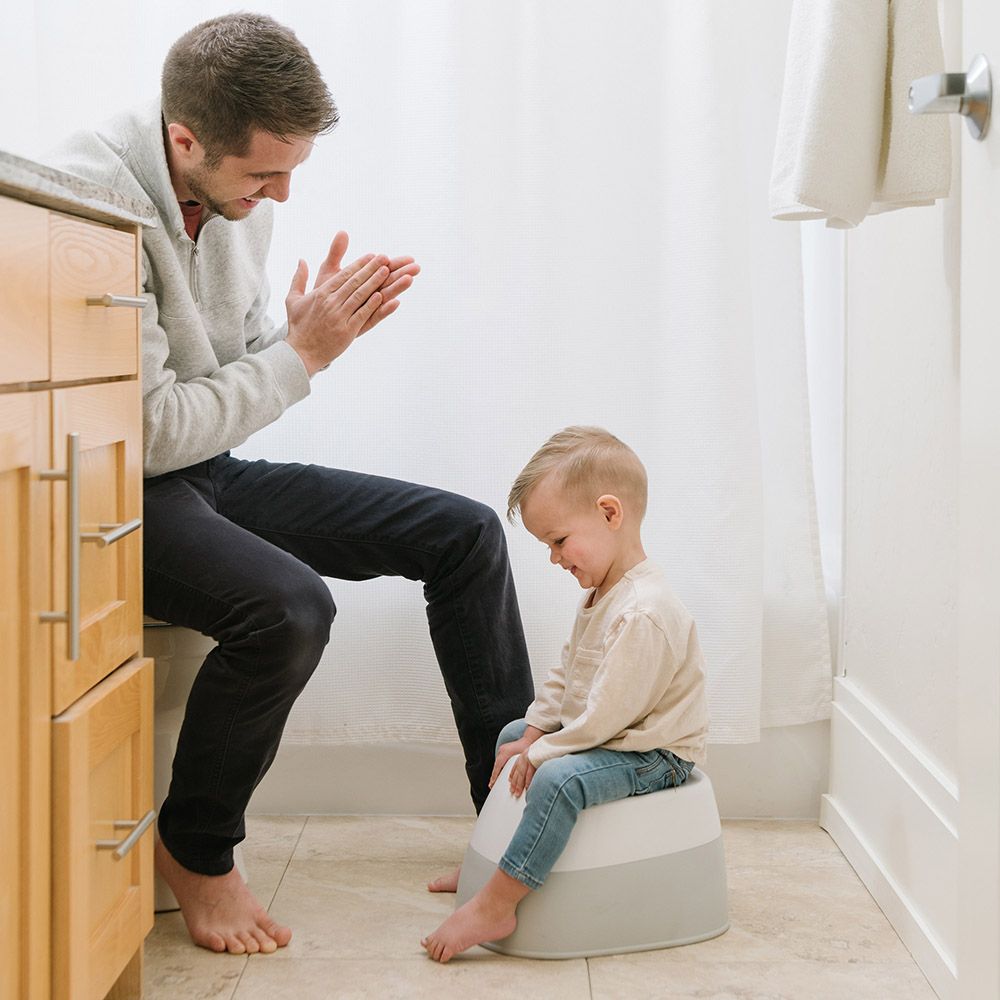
(590, 462)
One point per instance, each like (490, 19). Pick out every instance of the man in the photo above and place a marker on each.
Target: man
(238, 549)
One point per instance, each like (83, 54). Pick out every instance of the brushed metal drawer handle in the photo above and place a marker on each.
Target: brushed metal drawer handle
(110, 533)
(111, 301)
(120, 848)
(71, 616)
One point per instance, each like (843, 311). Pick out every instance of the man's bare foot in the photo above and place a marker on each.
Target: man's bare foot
(446, 883)
(220, 911)
(488, 916)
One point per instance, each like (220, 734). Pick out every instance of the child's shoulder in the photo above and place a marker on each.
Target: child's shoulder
(651, 595)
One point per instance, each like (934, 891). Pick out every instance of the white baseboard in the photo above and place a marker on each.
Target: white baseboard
(894, 815)
(781, 777)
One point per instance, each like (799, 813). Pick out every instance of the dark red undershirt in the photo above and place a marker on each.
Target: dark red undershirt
(191, 210)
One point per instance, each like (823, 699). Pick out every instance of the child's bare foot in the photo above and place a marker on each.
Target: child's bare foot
(469, 925)
(220, 911)
(488, 916)
(446, 883)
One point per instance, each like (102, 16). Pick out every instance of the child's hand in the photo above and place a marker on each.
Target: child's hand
(504, 754)
(520, 775)
(512, 749)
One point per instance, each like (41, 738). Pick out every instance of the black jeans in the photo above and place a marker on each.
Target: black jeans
(237, 550)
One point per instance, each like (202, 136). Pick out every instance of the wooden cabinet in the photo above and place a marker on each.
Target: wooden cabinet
(102, 794)
(76, 697)
(25, 699)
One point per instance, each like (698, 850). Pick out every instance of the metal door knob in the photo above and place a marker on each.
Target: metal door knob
(969, 94)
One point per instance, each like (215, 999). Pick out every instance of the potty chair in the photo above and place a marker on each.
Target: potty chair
(178, 654)
(637, 874)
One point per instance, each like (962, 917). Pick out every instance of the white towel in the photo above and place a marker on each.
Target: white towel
(847, 146)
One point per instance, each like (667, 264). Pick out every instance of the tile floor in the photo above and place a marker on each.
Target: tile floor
(803, 927)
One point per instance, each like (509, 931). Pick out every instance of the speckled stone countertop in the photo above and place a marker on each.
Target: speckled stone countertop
(34, 182)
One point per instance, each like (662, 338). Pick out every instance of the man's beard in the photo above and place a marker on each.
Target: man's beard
(194, 181)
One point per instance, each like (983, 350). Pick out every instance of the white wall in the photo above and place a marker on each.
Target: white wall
(892, 804)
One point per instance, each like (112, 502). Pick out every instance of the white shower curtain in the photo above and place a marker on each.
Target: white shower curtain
(585, 186)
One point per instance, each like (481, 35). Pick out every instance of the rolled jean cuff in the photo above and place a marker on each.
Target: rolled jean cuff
(515, 873)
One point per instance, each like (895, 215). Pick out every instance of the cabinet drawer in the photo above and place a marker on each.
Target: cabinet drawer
(24, 292)
(88, 260)
(102, 907)
(108, 421)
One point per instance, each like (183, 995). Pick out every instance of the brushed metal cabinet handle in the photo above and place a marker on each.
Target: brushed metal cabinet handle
(110, 533)
(120, 848)
(71, 476)
(120, 301)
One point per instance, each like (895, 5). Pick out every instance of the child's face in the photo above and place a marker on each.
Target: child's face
(583, 539)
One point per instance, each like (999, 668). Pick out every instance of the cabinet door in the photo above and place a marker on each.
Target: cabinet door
(102, 775)
(24, 292)
(24, 696)
(108, 421)
(91, 261)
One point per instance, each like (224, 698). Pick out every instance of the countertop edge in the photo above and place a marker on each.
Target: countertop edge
(55, 189)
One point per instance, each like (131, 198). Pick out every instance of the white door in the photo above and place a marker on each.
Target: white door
(979, 514)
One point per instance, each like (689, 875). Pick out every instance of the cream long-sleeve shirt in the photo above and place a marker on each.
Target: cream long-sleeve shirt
(631, 677)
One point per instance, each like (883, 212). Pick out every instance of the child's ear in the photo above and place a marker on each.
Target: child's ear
(611, 507)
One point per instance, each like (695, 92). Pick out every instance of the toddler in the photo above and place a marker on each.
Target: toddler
(625, 711)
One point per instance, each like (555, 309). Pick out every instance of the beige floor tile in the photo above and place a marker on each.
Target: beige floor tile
(786, 913)
(435, 840)
(803, 925)
(267, 850)
(174, 969)
(480, 977)
(780, 843)
(366, 909)
(668, 976)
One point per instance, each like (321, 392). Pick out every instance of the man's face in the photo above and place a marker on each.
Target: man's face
(233, 188)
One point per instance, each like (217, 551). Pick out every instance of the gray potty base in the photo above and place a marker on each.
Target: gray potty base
(661, 902)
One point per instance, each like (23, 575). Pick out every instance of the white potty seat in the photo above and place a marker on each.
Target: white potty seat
(637, 874)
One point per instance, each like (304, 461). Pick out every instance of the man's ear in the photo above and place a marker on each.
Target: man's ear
(184, 143)
(611, 508)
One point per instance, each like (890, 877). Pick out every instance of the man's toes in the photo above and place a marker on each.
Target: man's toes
(278, 934)
(210, 940)
(250, 943)
(235, 946)
(267, 944)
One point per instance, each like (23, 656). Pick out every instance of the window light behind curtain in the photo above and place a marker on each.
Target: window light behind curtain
(585, 186)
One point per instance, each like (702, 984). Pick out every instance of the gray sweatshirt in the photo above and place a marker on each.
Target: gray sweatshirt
(215, 368)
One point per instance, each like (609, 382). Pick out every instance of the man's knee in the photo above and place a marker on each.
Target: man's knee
(288, 616)
(304, 611)
(478, 534)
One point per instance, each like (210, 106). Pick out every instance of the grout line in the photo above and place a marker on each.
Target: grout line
(270, 902)
(291, 854)
(236, 985)
(590, 984)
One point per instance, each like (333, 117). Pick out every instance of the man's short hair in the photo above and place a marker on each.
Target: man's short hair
(589, 462)
(233, 75)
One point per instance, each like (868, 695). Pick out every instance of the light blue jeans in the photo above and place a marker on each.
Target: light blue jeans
(565, 785)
